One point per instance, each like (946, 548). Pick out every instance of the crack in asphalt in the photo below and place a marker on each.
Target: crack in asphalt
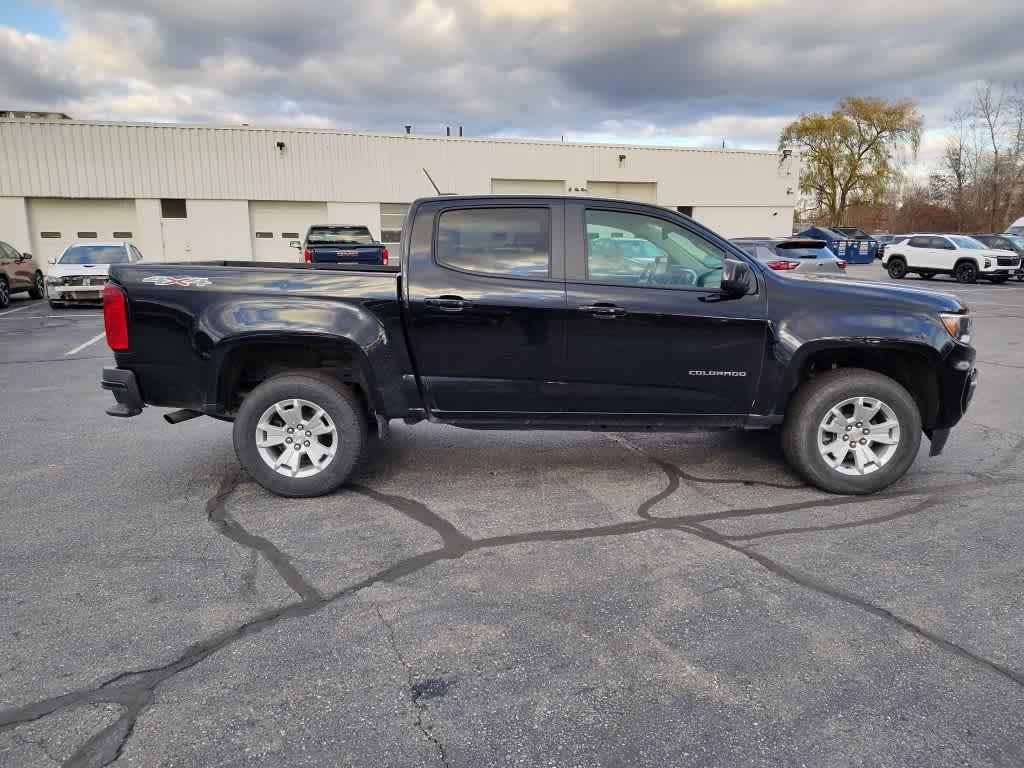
(135, 690)
(216, 513)
(419, 706)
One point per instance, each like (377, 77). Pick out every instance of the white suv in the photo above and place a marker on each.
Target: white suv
(963, 257)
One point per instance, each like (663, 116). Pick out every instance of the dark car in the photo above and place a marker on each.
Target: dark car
(19, 272)
(508, 313)
(1005, 242)
(885, 240)
(793, 255)
(341, 244)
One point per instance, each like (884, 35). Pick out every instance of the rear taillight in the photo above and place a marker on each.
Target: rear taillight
(115, 317)
(384, 256)
(840, 263)
(783, 264)
(307, 255)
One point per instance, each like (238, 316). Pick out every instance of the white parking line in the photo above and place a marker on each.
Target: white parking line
(19, 309)
(80, 347)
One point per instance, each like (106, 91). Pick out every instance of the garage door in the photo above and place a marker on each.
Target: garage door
(528, 186)
(638, 191)
(55, 224)
(275, 224)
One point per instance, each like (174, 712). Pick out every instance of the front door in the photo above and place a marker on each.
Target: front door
(647, 330)
(486, 303)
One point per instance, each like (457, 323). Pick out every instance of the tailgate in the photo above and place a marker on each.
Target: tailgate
(347, 254)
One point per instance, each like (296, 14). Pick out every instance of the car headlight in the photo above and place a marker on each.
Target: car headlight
(959, 326)
(988, 263)
(50, 280)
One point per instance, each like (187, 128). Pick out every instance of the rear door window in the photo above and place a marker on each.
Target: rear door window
(504, 242)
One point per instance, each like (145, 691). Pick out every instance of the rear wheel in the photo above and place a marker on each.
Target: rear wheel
(300, 434)
(927, 275)
(851, 431)
(999, 279)
(38, 289)
(5, 293)
(966, 272)
(897, 268)
(56, 304)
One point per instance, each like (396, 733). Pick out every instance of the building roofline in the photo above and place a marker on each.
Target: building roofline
(63, 123)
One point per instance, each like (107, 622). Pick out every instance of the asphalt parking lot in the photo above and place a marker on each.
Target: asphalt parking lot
(495, 598)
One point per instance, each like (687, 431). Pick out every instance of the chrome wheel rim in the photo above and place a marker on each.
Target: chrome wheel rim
(296, 438)
(5, 294)
(858, 436)
(40, 285)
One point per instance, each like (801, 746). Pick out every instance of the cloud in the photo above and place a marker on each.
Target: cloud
(677, 71)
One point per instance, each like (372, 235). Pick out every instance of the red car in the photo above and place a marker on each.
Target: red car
(19, 272)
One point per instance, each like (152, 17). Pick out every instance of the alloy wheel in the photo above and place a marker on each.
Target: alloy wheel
(296, 438)
(858, 436)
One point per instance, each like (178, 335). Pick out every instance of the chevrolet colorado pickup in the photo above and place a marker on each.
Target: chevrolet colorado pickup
(505, 315)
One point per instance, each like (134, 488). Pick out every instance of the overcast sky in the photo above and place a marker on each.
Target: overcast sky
(692, 72)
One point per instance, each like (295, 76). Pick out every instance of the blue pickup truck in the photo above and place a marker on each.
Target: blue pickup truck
(341, 244)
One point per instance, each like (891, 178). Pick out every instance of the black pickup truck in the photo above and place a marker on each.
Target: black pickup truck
(519, 313)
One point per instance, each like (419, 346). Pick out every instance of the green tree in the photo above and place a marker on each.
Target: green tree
(849, 155)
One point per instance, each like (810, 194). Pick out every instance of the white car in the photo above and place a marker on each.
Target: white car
(81, 271)
(961, 256)
(1017, 228)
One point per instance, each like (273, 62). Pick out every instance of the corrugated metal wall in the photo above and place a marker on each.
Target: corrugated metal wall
(126, 160)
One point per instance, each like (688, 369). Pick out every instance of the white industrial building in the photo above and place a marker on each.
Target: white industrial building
(189, 193)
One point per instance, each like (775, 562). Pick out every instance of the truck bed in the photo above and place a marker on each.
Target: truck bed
(353, 267)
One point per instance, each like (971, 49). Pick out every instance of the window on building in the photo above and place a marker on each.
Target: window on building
(50, 235)
(392, 217)
(173, 208)
(122, 235)
(264, 235)
(86, 235)
(512, 242)
(289, 235)
(636, 249)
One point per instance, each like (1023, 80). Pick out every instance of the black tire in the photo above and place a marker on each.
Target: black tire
(897, 268)
(999, 279)
(927, 275)
(5, 293)
(38, 289)
(1020, 277)
(57, 304)
(966, 272)
(809, 407)
(341, 405)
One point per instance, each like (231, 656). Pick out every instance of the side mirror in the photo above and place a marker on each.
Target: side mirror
(295, 244)
(26, 256)
(736, 278)
(51, 261)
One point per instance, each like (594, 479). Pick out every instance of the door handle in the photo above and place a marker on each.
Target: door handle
(602, 311)
(448, 303)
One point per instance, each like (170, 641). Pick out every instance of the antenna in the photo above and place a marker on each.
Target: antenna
(431, 180)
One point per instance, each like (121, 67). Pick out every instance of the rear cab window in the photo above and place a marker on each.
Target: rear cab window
(502, 242)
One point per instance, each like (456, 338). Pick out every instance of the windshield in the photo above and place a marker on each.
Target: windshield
(95, 254)
(1017, 240)
(1016, 231)
(967, 242)
(354, 235)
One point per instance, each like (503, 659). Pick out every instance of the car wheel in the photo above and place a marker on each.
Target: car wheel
(56, 304)
(999, 279)
(966, 272)
(897, 268)
(927, 275)
(38, 289)
(300, 434)
(851, 431)
(5, 293)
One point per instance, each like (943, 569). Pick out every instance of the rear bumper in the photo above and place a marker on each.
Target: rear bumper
(125, 388)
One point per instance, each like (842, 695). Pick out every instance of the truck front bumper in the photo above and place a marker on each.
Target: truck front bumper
(125, 390)
(958, 381)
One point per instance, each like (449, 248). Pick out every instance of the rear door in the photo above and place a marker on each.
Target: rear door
(942, 252)
(18, 270)
(647, 330)
(485, 293)
(917, 252)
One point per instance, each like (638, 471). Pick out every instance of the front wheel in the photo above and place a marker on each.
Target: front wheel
(300, 434)
(897, 268)
(38, 289)
(966, 272)
(851, 431)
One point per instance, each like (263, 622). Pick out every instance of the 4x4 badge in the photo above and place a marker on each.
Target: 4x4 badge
(183, 281)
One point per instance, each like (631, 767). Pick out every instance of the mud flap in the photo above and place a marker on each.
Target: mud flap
(938, 438)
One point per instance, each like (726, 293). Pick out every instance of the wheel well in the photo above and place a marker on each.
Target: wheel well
(967, 260)
(246, 366)
(913, 370)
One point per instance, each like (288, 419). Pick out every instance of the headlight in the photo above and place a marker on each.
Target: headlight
(54, 280)
(988, 263)
(959, 326)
